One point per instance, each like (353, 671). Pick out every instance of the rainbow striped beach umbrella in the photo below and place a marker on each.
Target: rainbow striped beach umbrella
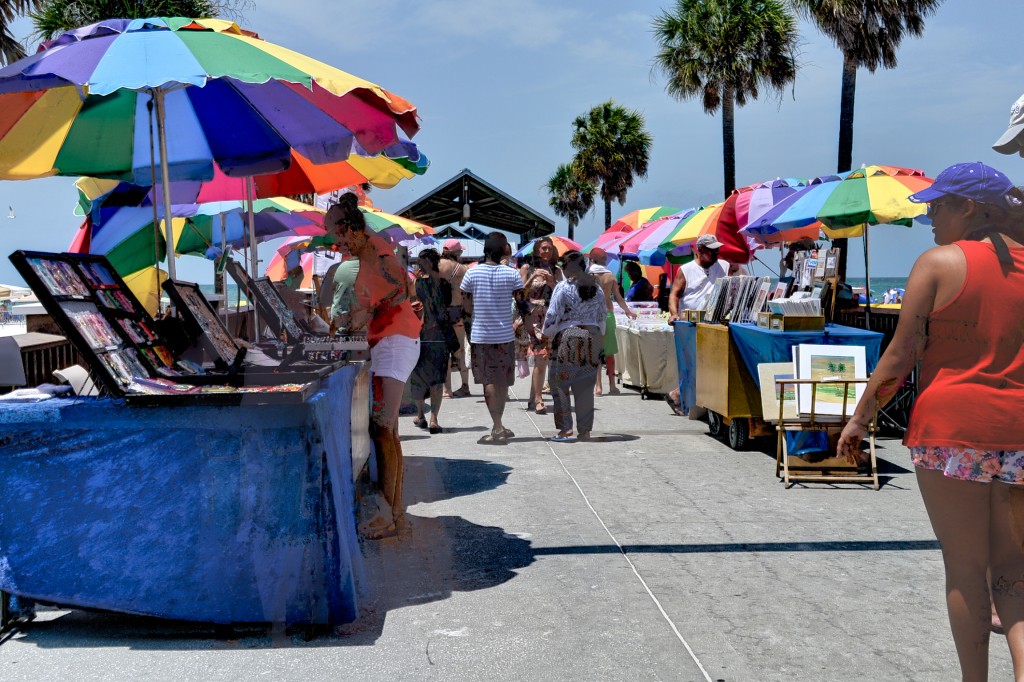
(85, 103)
(847, 202)
(562, 245)
(755, 200)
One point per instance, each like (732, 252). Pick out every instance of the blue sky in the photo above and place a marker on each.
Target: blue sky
(498, 83)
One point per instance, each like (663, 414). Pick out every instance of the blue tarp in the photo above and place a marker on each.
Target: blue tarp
(213, 514)
(686, 357)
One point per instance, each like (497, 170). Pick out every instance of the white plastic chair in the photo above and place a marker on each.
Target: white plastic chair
(78, 378)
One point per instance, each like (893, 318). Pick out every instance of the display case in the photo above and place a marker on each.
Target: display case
(202, 324)
(100, 315)
(273, 310)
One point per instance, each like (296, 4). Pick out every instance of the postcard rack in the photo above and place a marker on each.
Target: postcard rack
(831, 469)
(203, 324)
(100, 316)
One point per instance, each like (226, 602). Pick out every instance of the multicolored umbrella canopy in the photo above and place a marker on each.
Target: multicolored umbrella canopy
(634, 220)
(86, 102)
(846, 202)
(277, 269)
(398, 162)
(702, 221)
(562, 245)
(644, 243)
(755, 200)
(131, 242)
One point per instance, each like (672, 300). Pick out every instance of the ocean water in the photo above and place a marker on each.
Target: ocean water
(879, 285)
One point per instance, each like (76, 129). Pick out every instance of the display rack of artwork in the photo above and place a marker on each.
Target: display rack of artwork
(203, 322)
(100, 315)
(274, 312)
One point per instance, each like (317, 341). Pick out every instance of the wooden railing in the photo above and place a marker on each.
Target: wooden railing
(40, 360)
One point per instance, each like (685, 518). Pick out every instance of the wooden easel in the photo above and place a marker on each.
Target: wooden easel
(832, 469)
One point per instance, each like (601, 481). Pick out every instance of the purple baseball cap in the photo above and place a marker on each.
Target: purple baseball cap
(971, 180)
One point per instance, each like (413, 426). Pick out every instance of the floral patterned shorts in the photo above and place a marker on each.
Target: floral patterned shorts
(972, 465)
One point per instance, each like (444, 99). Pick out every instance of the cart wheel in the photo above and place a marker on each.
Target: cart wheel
(716, 428)
(739, 433)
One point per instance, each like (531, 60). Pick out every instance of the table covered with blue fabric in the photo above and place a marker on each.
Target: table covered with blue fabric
(213, 514)
(757, 344)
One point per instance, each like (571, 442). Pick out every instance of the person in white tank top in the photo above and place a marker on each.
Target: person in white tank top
(695, 280)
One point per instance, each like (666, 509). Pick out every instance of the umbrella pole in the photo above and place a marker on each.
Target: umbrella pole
(161, 132)
(867, 282)
(253, 254)
(224, 272)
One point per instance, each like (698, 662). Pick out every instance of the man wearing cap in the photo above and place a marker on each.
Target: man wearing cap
(695, 280)
(605, 278)
(1012, 141)
(453, 270)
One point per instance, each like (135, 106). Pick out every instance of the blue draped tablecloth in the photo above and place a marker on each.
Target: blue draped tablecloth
(213, 514)
(757, 344)
(686, 358)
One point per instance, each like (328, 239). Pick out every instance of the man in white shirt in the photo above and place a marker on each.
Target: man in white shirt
(488, 292)
(695, 280)
(691, 287)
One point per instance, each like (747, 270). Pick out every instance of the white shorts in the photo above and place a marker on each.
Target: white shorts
(395, 357)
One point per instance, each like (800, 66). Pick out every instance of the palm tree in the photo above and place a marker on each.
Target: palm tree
(612, 147)
(725, 52)
(571, 195)
(53, 17)
(868, 33)
(10, 49)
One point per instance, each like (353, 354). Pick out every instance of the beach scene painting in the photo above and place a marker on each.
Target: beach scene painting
(829, 363)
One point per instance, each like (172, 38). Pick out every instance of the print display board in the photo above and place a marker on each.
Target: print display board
(200, 315)
(274, 312)
(100, 315)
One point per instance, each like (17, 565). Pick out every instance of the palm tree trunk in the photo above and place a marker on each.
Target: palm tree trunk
(572, 228)
(846, 101)
(729, 139)
(607, 213)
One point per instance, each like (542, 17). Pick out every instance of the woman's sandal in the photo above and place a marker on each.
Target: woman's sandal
(564, 437)
(507, 433)
(541, 409)
(419, 422)
(674, 405)
(494, 439)
(462, 392)
(434, 428)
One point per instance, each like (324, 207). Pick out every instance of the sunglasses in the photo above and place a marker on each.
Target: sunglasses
(935, 206)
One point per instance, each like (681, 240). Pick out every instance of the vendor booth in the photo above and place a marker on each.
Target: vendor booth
(200, 486)
(646, 357)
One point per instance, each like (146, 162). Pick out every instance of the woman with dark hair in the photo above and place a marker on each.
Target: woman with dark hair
(427, 379)
(381, 305)
(575, 322)
(961, 318)
(540, 275)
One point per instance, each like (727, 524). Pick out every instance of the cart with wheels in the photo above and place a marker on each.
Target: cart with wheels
(726, 389)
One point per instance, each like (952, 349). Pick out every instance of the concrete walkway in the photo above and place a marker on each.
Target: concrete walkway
(654, 553)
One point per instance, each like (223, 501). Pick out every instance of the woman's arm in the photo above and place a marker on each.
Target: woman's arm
(555, 310)
(904, 351)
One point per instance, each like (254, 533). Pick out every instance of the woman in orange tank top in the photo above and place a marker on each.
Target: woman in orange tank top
(962, 318)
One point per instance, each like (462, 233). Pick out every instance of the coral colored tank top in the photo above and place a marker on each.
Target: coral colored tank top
(972, 372)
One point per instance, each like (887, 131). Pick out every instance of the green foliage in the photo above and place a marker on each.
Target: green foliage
(53, 17)
(868, 31)
(10, 49)
(708, 47)
(571, 196)
(612, 148)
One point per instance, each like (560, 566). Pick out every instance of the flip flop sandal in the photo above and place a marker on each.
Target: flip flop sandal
(507, 433)
(435, 429)
(462, 392)
(568, 438)
(672, 404)
(421, 423)
(541, 409)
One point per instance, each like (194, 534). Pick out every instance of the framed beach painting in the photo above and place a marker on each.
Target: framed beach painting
(825, 363)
